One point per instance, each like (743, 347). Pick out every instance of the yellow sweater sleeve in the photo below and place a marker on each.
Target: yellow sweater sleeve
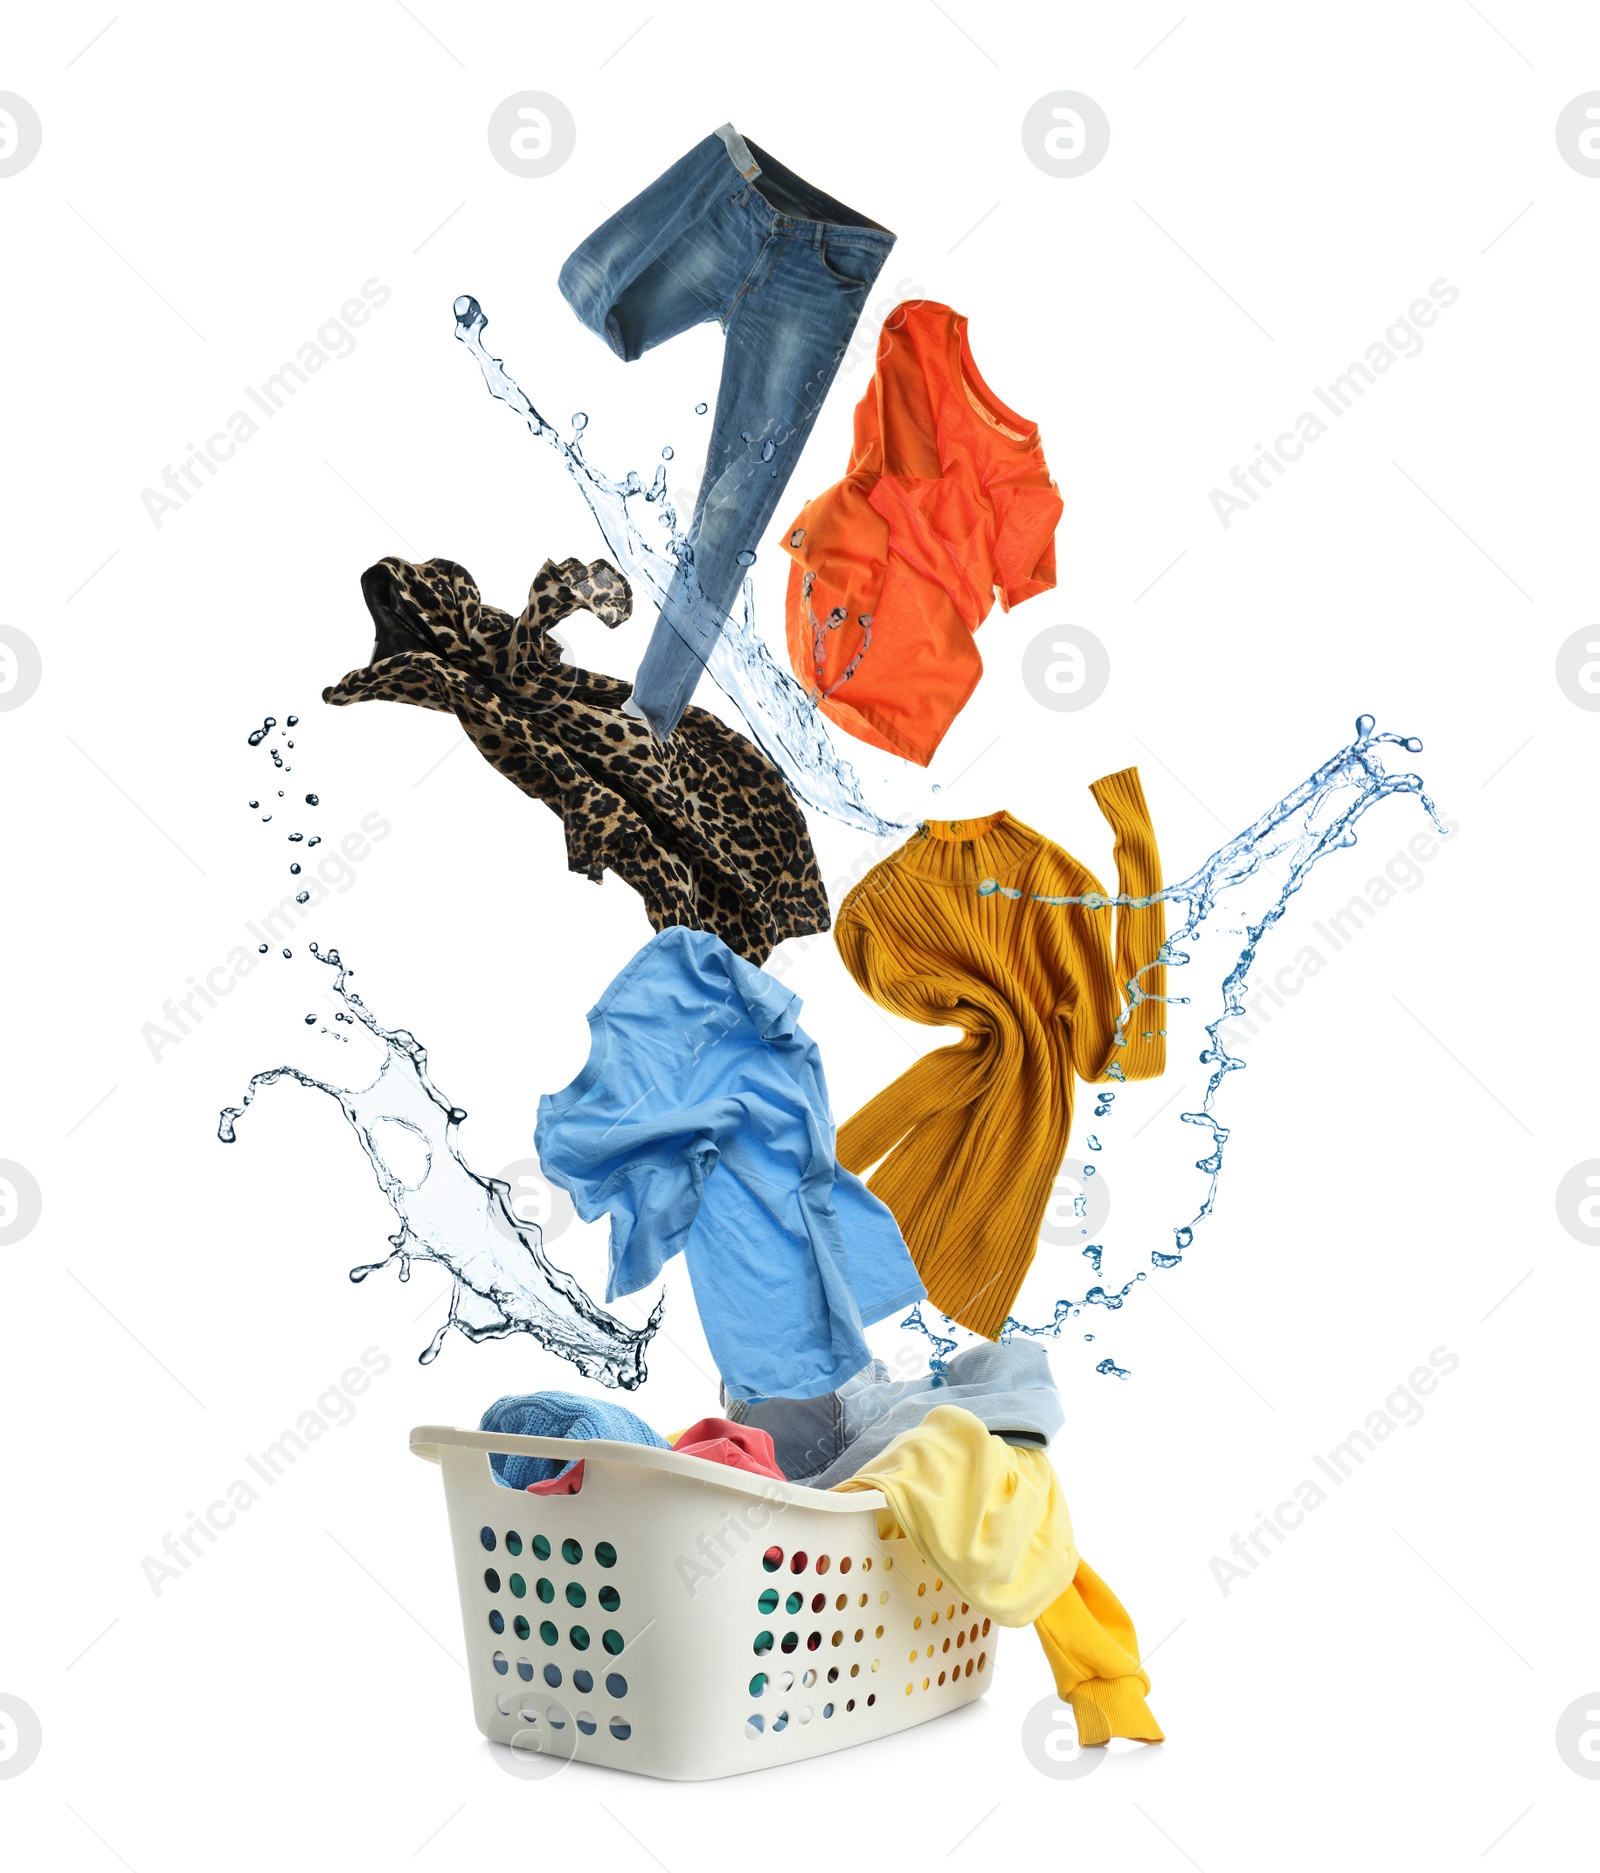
(1140, 932)
(1094, 1654)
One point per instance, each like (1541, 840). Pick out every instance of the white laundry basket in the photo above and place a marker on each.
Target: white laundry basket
(683, 1619)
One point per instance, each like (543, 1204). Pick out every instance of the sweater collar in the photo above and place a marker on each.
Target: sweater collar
(967, 851)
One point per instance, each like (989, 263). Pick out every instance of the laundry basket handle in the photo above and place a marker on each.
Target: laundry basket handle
(427, 1439)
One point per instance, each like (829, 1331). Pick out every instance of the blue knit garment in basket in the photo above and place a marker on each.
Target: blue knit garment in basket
(558, 1414)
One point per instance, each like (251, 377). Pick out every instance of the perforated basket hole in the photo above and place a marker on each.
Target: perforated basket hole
(827, 1710)
(789, 1641)
(605, 1554)
(497, 1620)
(491, 1579)
(501, 1663)
(794, 1603)
(575, 1593)
(521, 1627)
(541, 1547)
(548, 1632)
(525, 1670)
(797, 1562)
(505, 1702)
(844, 1564)
(571, 1551)
(578, 1638)
(513, 1542)
(803, 1714)
(552, 1676)
(487, 1537)
(616, 1684)
(822, 1564)
(780, 1722)
(556, 1716)
(772, 1560)
(755, 1724)
(758, 1684)
(620, 1728)
(763, 1643)
(613, 1641)
(983, 1659)
(809, 1679)
(610, 1599)
(784, 1681)
(586, 1723)
(583, 1680)
(545, 1589)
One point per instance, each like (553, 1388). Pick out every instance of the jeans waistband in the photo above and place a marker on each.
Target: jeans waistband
(824, 217)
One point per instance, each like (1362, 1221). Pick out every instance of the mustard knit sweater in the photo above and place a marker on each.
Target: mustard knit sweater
(947, 931)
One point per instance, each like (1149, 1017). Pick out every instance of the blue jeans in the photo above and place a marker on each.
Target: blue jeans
(728, 234)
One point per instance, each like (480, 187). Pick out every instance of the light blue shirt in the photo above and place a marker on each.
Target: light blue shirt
(701, 1123)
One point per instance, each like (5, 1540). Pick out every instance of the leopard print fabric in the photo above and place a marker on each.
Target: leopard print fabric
(702, 826)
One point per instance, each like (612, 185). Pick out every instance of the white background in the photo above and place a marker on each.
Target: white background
(1281, 184)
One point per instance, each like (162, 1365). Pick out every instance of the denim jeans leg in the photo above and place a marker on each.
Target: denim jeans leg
(786, 338)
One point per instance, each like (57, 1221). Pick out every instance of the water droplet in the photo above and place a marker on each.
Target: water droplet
(255, 803)
(294, 871)
(1087, 1336)
(768, 450)
(1164, 1261)
(988, 886)
(701, 408)
(277, 759)
(456, 1115)
(1365, 724)
(311, 1021)
(288, 952)
(745, 557)
(1088, 1170)
(580, 422)
(261, 949)
(265, 817)
(259, 735)
(1092, 1142)
(1411, 745)
(1183, 1237)
(315, 839)
(302, 897)
(666, 453)
(292, 721)
(313, 800)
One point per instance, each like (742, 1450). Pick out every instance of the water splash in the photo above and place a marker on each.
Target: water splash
(1284, 844)
(502, 1282)
(784, 721)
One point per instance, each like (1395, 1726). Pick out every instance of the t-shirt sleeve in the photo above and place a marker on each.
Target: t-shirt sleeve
(1025, 544)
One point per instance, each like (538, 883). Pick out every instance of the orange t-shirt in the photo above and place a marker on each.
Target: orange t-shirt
(948, 504)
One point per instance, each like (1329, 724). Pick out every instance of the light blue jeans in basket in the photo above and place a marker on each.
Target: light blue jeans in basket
(727, 233)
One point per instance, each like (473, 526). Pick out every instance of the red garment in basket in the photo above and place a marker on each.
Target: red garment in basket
(740, 1446)
(948, 505)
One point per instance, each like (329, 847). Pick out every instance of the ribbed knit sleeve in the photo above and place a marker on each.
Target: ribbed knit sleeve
(1140, 933)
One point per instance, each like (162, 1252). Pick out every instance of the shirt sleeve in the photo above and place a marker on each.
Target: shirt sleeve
(1025, 543)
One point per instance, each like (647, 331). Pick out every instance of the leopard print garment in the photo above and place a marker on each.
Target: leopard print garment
(702, 826)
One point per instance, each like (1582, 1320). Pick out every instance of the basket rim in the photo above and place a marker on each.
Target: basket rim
(427, 1440)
